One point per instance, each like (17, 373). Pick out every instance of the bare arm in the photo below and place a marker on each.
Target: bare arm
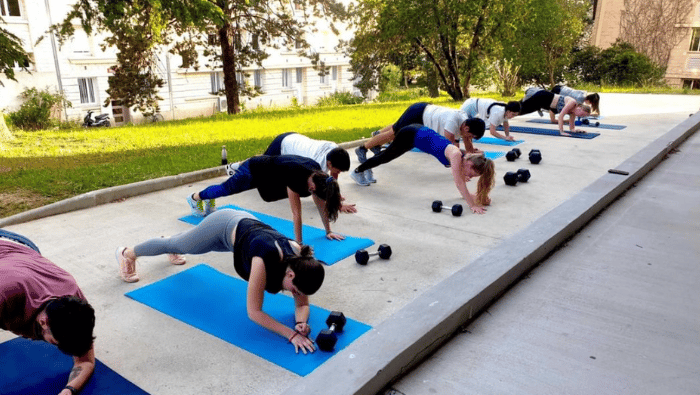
(254, 302)
(572, 119)
(455, 158)
(83, 367)
(321, 206)
(495, 133)
(295, 205)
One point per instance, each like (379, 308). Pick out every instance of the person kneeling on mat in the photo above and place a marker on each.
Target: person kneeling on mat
(262, 256)
(41, 301)
(464, 166)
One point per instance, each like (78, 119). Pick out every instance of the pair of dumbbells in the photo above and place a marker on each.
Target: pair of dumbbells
(362, 256)
(513, 154)
(327, 338)
(456, 210)
(512, 178)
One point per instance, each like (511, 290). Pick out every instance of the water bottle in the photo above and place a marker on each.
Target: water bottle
(224, 155)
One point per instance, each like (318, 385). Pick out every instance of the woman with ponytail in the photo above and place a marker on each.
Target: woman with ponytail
(463, 166)
(276, 178)
(262, 256)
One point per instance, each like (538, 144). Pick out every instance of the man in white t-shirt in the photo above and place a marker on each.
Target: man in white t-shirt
(329, 155)
(494, 113)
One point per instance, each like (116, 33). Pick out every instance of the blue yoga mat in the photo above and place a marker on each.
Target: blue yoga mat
(216, 304)
(36, 367)
(328, 251)
(493, 155)
(552, 132)
(579, 123)
(497, 141)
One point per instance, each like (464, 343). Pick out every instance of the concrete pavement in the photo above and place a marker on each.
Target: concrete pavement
(431, 252)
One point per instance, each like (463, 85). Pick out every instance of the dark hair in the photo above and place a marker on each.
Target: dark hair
(476, 127)
(513, 106)
(308, 271)
(594, 99)
(339, 158)
(556, 89)
(327, 188)
(71, 321)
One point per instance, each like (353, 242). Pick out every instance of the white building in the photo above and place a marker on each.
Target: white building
(80, 69)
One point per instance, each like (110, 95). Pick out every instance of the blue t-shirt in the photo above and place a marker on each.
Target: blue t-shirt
(429, 141)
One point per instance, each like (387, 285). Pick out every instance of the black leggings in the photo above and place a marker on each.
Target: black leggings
(404, 141)
(540, 100)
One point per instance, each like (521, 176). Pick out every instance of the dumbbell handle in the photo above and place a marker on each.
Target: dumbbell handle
(332, 328)
(373, 253)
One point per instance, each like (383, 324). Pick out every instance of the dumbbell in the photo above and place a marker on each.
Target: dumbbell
(328, 337)
(511, 178)
(535, 156)
(362, 256)
(588, 122)
(513, 154)
(456, 209)
(523, 175)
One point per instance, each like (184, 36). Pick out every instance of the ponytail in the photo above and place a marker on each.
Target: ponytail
(327, 188)
(487, 177)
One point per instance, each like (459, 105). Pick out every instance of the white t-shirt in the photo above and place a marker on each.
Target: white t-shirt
(298, 144)
(443, 119)
(495, 117)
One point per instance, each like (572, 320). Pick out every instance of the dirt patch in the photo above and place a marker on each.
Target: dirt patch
(20, 200)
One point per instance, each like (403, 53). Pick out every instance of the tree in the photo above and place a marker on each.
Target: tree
(452, 35)
(233, 33)
(12, 54)
(651, 26)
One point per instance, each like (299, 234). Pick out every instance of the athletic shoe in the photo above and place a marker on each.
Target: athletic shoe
(376, 132)
(127, 267)
(359, 178)
(540, 112)
(197, 206)
(361, 152)
(231, 168)
(177, 259)
(369, 176)
(376, 150)
(209, 206)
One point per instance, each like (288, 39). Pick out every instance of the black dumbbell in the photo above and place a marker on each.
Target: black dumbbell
(457, 209)
(535, 156)
(511, 178)
(362, 256)
(588, 122)
(328, 337)
(523, 175)
(513, 154)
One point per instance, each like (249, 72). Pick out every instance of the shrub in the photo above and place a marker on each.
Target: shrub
(35, 112)
(390, 78)
(401, 95)
(339, 98)
(618, 65)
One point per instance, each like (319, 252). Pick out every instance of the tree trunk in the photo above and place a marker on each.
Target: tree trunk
(5, 134)
(431, 80)
(228, 58)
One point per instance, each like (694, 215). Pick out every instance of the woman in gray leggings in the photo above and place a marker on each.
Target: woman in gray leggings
(268, 260)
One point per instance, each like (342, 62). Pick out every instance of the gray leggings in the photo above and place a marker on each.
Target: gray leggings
(212, 234)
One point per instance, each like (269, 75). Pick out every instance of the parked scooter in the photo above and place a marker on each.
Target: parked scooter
(100, 120)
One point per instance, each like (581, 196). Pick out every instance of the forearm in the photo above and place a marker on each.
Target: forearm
(266, 321)
(301, 313)
(79, 375)
(495, 133)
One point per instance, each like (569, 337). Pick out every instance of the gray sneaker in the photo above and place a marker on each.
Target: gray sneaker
(359, 178)
(369, 176)
(540, 112)
(361, 154)
(376, 132)
(376, 150)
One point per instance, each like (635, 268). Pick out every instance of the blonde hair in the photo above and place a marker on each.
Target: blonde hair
(487, 177)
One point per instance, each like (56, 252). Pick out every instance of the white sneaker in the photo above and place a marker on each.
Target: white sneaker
(369, 176)
(359, 178)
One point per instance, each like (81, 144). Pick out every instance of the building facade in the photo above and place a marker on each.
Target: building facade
(683, 69)
(80, 69)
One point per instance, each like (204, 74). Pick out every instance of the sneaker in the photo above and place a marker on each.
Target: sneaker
(376, 150)
(209, 206)
(369, 176)
(361, 152)
(197, 206)
(177, 259)
(376, 132)
(127, 267)
(231, 168)
(359, 178)
(540, 112)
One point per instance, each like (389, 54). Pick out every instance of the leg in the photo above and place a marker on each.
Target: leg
(241, 181)
(403, 143)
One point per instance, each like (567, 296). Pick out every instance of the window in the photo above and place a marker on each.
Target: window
(324, 79)
(9, 8)
(334, 73)
(86, 86)
(695, 41)
(217, 82)
(300, 75)
(255, 42)
(691, 84)
(287, 78)
(258, 79)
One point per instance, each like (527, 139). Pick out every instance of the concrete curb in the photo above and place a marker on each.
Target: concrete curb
(393, 347)
(108, 195)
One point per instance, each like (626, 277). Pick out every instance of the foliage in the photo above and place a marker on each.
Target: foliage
(390, 78)
(11, 52)
(452, 36)
(35, 112)
(507, 77)
(619, 64)
(232, 34)
(340, 98)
